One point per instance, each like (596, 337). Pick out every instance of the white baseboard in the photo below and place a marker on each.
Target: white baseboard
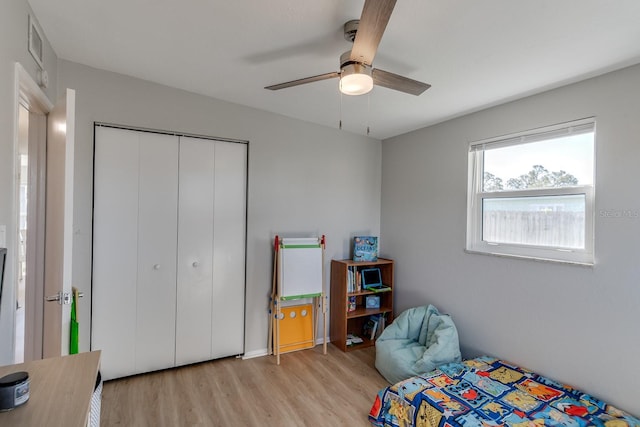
(264, 352)
(255, 353)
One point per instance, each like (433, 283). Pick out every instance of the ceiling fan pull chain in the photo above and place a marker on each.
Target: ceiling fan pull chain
(340, 122)
(368, 112)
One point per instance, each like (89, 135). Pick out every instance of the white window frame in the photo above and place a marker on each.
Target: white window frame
(476, 196)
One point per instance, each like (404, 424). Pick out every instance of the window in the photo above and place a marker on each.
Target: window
(531, 194)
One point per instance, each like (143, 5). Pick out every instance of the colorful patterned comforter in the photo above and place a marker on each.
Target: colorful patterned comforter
(486, 392)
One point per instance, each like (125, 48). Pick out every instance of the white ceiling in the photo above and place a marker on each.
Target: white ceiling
(475, 53)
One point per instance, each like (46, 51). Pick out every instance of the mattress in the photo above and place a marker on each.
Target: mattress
(485, 392)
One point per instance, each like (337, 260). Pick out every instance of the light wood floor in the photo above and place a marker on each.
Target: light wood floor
(307, 389)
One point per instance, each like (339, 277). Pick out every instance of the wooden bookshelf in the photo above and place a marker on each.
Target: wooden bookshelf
(343, 321)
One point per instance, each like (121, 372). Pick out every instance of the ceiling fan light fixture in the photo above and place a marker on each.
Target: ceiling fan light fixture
(355, 79)
(356, 74)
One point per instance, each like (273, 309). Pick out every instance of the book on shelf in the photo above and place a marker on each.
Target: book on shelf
(354, 279)
(371, 327)
(374, 326)
(381, 323)
(365, 248)
(354, 339)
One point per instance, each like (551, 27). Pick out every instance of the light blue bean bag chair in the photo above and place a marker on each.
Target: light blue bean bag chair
(418, 341)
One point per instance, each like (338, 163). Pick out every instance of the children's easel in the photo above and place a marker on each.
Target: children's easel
(298, 273)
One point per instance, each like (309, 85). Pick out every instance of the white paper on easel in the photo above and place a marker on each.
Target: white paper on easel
(301, 268)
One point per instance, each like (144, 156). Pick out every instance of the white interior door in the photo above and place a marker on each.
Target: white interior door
(59, 226)
(34, 278)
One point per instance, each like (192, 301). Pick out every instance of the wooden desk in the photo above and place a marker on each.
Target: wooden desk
(59, 394)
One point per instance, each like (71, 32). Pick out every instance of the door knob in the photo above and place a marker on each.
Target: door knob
(55, 297)
(61, 298)
(156, 267)
(195, 264)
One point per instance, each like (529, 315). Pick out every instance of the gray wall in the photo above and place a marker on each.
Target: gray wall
(14, 24)
(577, 324)
(303, 178)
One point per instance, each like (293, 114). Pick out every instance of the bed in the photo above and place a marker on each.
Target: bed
(486, 392)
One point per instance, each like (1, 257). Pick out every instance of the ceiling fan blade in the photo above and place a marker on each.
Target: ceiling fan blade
(373, 21)
(304, 81)
(396, 82)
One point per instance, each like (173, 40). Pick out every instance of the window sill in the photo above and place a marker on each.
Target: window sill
(532, 258)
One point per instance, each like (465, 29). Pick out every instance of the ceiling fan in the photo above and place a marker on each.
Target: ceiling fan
(357, 76)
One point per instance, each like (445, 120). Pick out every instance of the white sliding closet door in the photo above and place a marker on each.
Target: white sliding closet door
(168, 250)
(195, 251)
(157, 237)
(115, 254)
(211, 250)
(229, 249)
(134, 251)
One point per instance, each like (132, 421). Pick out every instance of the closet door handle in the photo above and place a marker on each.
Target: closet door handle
(195, 264)
(156, 267)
